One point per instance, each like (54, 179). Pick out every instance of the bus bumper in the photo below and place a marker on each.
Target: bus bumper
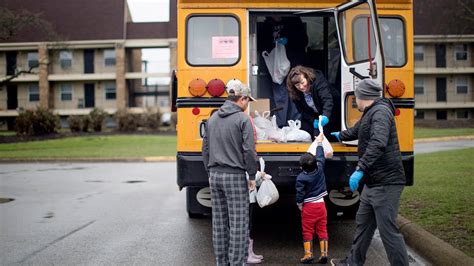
(283, 168)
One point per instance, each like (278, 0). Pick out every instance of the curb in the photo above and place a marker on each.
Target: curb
(89, 160)
(429, 246)
(451, 138)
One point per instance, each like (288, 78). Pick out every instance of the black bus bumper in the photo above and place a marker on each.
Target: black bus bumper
(283, 167)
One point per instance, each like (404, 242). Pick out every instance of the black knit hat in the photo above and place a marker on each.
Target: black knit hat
(368, 89)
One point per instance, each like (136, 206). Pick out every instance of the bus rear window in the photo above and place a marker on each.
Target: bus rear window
(393, 39)
(212, 40)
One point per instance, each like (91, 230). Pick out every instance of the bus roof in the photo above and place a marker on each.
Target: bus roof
(274, 4)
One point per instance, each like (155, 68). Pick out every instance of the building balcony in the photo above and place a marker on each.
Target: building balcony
(443, 71)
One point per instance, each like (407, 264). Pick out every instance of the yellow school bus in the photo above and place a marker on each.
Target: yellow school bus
(219, 41)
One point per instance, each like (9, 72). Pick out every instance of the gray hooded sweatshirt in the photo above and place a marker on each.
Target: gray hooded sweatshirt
(228, 144)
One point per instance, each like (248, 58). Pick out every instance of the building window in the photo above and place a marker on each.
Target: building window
(66, 92)
(109, 57)
(462, 114)
(462, 86)
(460, 51)
(419, 86)
(110, 91)
(33, 60)
(212, 40)
(419, 53)
(441, 115)
(420, 115)
(33, 93)
(65, 59)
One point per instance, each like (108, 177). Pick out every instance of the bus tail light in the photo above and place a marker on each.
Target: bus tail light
(196, 111)
(216, 87)
(397, 112)
(396, 88)
(197, 87)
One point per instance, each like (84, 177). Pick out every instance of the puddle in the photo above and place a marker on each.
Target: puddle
(135, 181)
(6, 200)
(49, 215)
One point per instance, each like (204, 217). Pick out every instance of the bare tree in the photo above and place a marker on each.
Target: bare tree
(12, 23)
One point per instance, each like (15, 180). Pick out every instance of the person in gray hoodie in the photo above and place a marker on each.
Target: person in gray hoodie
(228, 151)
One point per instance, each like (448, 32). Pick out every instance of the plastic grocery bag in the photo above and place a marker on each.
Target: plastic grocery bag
(258, 181)
(267, 193)
(277, 63)
(294, 133)
(328, 151)
(275, 133)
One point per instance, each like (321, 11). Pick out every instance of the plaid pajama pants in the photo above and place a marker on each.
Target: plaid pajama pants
(230, 217)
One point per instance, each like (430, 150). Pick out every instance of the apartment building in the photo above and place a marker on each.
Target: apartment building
(444, 62)
(99, 61)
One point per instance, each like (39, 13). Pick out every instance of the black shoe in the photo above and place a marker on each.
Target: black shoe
(322, 260)
(340, 262)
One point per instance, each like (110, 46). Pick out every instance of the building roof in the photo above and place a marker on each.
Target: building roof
(75, 20)
(443, 17)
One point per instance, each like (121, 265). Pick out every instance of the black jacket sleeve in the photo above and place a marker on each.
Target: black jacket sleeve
(322, 95)
(377, 143)
(351, 133)
(320, 159)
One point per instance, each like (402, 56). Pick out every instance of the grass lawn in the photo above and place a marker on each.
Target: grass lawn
(441, 201)
(119, 146)
(423, 132)
(7, 133)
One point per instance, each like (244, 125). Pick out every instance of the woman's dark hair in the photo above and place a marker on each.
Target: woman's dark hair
(308, 162)
(294, 78)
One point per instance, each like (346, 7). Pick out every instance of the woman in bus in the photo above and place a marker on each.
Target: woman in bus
(311, 93)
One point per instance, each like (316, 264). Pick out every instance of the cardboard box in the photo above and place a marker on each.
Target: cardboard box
(261, 105)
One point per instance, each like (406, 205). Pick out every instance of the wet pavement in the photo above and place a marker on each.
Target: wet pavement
(133, 213)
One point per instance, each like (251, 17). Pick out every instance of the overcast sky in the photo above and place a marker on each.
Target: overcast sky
(149, 10)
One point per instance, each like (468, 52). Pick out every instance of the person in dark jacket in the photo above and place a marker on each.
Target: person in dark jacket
(289, 31)
(310, 190)
(380, 168)
(311, 93)
(228, 151)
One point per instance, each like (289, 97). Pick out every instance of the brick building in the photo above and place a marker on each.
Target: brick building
(97, 62)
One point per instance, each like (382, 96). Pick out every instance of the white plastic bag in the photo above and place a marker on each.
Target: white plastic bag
(267, 193)
(277, 63)
(275, 133)
(328, 150)
(294, 133)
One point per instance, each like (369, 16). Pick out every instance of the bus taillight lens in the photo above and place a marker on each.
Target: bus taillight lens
(196, 111)
(216, 87)
(397, 112)
(197, 87)
(396, 88)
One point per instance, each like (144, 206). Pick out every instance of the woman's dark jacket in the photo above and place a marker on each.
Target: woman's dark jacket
(323, 100)
(378, 149)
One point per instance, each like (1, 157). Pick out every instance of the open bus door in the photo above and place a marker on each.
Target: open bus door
(361, 53)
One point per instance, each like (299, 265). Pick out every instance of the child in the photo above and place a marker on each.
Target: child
(310, 190)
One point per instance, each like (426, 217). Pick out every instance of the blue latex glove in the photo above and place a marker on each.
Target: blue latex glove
(324, 121)
(354, 180)
(282, 41)
(336, 134)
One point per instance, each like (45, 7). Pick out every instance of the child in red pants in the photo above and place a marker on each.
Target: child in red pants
(310, 190)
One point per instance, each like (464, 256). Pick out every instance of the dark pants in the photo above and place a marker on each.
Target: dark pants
(281, 99)
(379, 209)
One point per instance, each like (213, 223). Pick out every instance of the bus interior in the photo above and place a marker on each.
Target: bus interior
(313, 42)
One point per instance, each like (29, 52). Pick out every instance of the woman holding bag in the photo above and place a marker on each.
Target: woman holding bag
(310, 92)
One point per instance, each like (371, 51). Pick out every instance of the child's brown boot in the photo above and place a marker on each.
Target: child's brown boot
(308, 252)
(323, 245)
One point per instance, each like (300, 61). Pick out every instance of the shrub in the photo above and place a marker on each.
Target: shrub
(97, 116)
(38, 122)
(75, 123)
(127, 121)
(151, 119)
(86, 122)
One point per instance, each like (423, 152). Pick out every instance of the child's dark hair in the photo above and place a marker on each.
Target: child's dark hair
(308, 162)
